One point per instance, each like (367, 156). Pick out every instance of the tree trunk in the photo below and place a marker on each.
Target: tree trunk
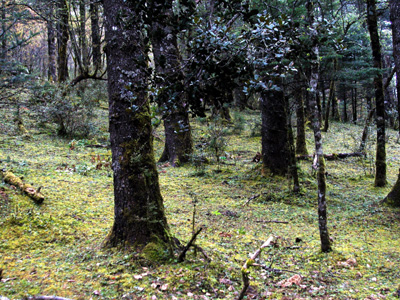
(345, 115)
(169, 79)
(322, 207)
(354, 104)
(3, 53)
(395, 19)
(94, 20)
(178, 139)
(51, 44)
(62, 40)
(365, 133)
(380, 160)
(301, 146)
(330, 99)
(393, 198)
(275, 146)
(82, 36)
(292, 151)
(139, 216)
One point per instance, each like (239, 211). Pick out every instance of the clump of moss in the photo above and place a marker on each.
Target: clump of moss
(157, 251)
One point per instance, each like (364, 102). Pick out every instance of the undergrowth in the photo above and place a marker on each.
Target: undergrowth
(56, 248)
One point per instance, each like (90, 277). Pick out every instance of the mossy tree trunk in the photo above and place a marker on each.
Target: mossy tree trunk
(380, 160)
(139, 217)
(51, 44)
(316, 124)
(301, 146)
(395, 19)
(62, 40)
(393, 198)
(275, 145)
(169, 79)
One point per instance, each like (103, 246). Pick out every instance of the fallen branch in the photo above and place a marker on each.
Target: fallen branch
(333, 156)
(182, 256)
(272, 221)
(29, 190)
(47, 298)
(202, 252)
(248, 264)
(251, 198)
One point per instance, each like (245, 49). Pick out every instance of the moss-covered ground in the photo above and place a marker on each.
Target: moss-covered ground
(56, 248)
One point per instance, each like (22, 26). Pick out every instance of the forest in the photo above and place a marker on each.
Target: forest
(199, 149)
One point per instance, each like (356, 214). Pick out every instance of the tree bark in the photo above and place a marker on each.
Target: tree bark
(301, 146)
(275, 145)
(62, 40)
(393, 198)
(344, 97)
(365, 133)
(94, 20)
(169, 79)
(139, 216)
(82, 36)
(330, 99)
(322, 207)
(395, 19)
(51, 44)
(380, 160)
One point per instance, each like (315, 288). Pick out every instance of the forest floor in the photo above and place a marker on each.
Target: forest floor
(56, 248)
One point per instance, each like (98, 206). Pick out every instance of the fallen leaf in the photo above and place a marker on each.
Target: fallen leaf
(295, 279)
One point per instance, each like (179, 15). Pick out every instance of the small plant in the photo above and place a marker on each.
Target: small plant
(72, 112)
(216, 136)
(238, 122)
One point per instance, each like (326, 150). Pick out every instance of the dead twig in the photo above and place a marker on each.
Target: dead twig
(248, 264)
(181, 257)
(202, 252)
(251, 198)
(47, 298)
(272, 221)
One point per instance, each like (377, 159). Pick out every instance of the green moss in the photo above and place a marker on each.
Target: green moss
(157, 250)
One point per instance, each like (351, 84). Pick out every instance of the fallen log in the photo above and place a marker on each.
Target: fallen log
(333, 156)
(28, 189)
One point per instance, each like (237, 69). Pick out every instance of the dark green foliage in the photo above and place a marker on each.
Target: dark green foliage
(70, 110)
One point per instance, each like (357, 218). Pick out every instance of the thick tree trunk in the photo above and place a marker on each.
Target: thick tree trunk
(275, 146)
(169, 79)
(139, 217)
(301, 146)
(178, 139)
(380, 160)
(393, 198)
(62, 40)
(94, 19)
(51, 44)
(395, 19)
(322, 207)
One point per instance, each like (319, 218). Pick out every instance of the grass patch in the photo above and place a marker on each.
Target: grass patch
(55, 248)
